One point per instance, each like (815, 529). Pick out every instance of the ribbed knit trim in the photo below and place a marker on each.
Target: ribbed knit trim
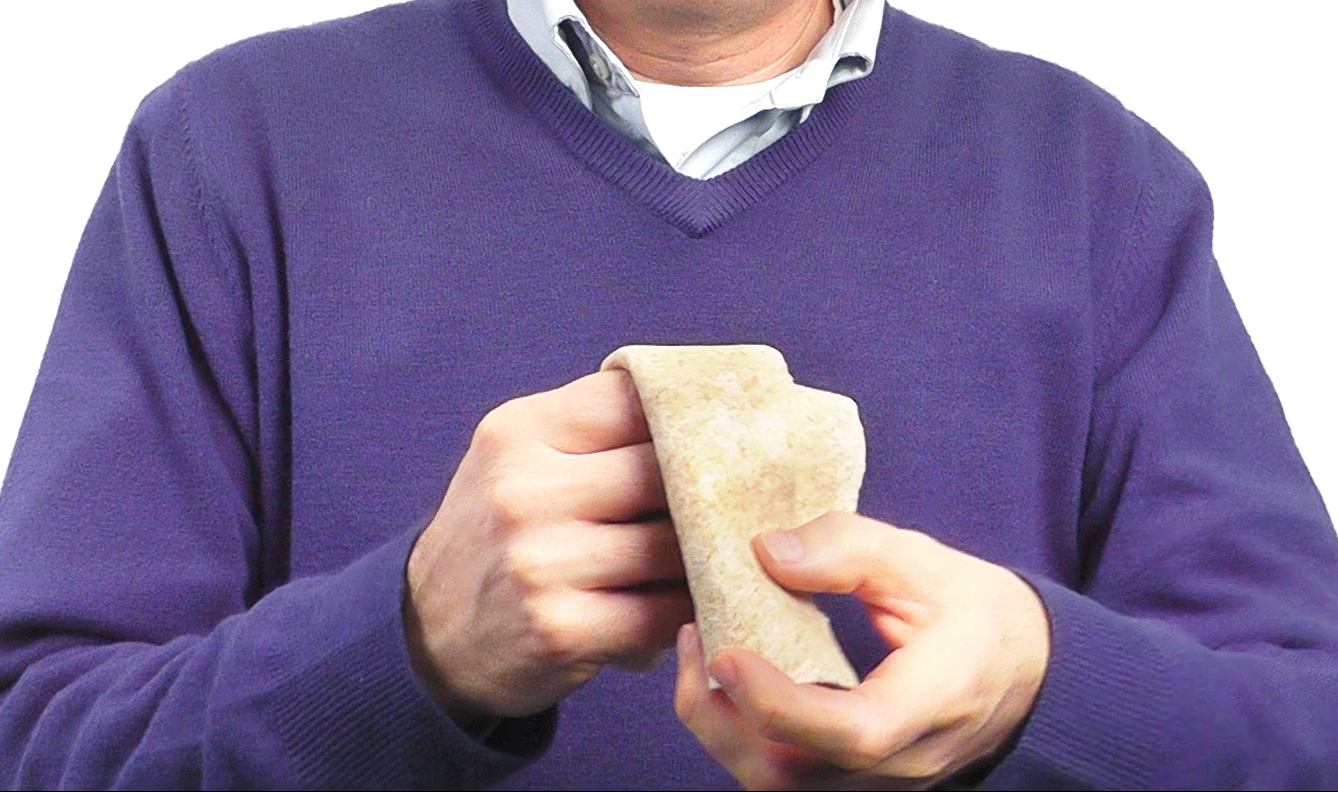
(356, 712)
(1104, 706)
(695, 206)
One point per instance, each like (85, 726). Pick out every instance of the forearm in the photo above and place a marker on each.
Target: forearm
(1133, 703)
(311, 687)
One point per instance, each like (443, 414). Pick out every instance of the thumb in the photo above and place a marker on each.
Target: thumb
(843, 553)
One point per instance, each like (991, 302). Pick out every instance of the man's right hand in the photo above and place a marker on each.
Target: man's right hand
(551, 555)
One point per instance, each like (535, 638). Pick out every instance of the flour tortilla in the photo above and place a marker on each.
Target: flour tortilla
(744, 450)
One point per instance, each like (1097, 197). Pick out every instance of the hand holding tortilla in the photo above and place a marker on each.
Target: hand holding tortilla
(969, 647)
(546, 561)
(753, 468)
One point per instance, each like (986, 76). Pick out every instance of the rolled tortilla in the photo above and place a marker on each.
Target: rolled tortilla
(743, 450)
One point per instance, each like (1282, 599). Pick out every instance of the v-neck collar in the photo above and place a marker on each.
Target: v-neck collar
(696, 207)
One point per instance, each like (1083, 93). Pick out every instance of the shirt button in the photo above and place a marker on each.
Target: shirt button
(600, 67)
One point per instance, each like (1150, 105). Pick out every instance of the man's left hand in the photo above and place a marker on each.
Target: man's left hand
(970, 646)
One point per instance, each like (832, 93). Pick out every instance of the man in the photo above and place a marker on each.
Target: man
(326, 256)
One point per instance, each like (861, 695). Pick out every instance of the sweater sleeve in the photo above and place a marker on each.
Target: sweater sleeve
(1199, 648)
(149, 636)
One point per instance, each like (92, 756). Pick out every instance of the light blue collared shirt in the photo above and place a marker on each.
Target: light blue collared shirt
(563, 39)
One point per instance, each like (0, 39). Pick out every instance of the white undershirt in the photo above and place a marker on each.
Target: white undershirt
(743, 119)
(681, 118)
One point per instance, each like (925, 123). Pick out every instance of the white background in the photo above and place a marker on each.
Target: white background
(1249, 92)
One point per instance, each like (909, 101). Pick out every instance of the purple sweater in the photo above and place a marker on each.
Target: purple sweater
(324, 254)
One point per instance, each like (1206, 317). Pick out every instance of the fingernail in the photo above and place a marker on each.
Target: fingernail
(687, 642)
(784, 546)
(724, 672)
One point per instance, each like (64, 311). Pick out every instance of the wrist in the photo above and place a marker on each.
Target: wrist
(472, 720)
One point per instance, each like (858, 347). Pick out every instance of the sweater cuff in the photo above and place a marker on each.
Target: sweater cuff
(358, 717)
(1102, 708)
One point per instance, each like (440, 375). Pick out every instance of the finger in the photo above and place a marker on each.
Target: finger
(581, 555)
(711, 716)
(801, 715)
(595, 413)
(620, 484)
(629, 627)
(845, 553)
(707, 713)
(856, 730)
(758, 762)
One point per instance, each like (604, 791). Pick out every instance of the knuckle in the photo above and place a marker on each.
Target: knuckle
(497, 429)
(511, 501)
(527, 564)
(866, 745)
(558, 641)
(867, 750)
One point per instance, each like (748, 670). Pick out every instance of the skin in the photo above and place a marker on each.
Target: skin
(709, 42)
(551, 557)
(970, 645)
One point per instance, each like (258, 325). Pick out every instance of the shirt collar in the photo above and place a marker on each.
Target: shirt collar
(845, 53)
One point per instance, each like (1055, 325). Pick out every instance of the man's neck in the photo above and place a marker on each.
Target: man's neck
(709, 42)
